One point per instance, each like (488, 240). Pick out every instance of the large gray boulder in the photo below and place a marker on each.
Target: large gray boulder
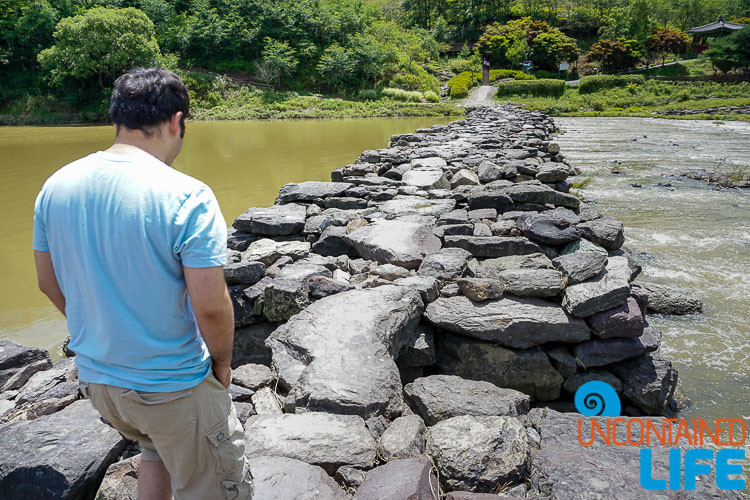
(492, 246)
(407, 479)
(322, 439)
(624, 320)
(276, 220)
(539, 194)
(649, 382)
(610, 471)
(447, 264)
(668, 300)
(404, 244)
(440, 397)
(607, 232)
(511, 321)
(338, 354)
(277, 478)
(311, 190)
(404, 438)
(63, 455)
(605, 291)
(491, 268)
(526, 370)
(19, 363)
(548, 229)
(532, 282)
(478, 453)
(601, 352)
(580, 266)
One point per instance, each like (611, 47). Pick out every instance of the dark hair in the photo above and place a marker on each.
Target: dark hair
(144, 97)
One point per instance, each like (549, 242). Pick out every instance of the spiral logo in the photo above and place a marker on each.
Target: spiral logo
(597, 399)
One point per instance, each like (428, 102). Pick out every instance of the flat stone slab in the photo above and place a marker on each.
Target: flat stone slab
(446, 264)
(532, 282)
(312, 190)
(338, 354)
(322, 439)
(63, 455)
(530, 192)
(404, 244)
(493, 246)
(426, 179)
(511, 321)
(601, 352)
(478, 453)
(276, 220)
(440, 397)
(410, 478)
(276, 478)
(526, 370)
(416, 205)
(607, 290)
(668, 300)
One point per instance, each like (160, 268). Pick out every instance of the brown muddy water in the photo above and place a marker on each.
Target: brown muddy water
(245, 163)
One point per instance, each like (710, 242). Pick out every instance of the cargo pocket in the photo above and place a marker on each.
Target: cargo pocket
(228, 455)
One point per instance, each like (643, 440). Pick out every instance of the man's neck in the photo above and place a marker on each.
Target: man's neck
(127, 141)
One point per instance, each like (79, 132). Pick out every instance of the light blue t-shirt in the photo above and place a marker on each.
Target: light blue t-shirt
(119, 229)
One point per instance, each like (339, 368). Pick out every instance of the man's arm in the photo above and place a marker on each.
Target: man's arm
(215, 314)
(47, 280)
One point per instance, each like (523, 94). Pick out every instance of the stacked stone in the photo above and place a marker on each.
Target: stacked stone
(395, 329)
(516, 283)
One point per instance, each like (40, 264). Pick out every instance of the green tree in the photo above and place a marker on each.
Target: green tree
(613, 55)
(550, 48)
(278, 61)
(667, 41)
(358, 65)
(95, 47)
(731, 52)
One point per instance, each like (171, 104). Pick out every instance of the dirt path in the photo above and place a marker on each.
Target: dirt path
(481, 95)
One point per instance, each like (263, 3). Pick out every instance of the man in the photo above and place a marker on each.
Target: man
(132, 253)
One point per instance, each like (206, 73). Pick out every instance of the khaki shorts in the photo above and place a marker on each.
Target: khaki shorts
(195, 432)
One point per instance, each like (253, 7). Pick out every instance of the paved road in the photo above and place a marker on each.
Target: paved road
(481, 95)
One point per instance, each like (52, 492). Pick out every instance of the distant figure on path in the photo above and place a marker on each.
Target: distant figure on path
(485, 71)
(132, 251)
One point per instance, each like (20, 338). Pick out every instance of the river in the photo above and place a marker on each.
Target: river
(687, 235)
(244, 162)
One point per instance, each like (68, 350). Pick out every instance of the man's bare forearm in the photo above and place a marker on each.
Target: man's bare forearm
(217, 328)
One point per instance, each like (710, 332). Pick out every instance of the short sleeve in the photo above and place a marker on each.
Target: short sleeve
(40, 229)
(202, 232)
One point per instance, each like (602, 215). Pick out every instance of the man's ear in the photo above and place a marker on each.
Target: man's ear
(174, 123)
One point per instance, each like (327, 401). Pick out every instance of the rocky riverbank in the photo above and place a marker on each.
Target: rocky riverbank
(404, 331)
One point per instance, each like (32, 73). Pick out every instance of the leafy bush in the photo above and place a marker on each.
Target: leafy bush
(595, 83)
(431, 96)
(412, 76)
(460, 65)
(534, 88)
(500, 74)
(403, 95)
(368, 95)
(459, 85)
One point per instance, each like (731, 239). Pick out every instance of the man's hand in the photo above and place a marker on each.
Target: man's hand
(223, 374)
(215, 315)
